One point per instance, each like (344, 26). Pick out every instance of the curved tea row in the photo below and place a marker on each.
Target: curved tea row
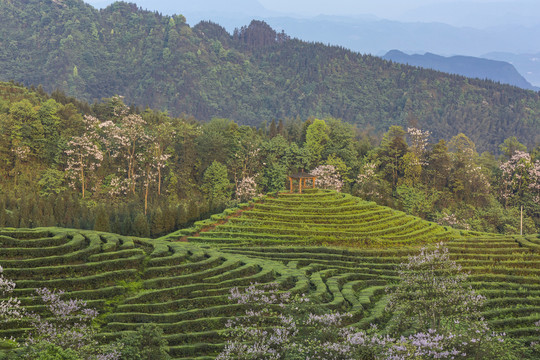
(182, 287)
(322, 217)
(501, 268)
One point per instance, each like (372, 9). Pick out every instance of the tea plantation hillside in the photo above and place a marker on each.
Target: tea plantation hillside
(180, 286)
(183, 286)
(323, 217)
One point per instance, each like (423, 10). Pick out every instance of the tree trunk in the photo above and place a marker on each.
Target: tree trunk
(159, 181)
(146, 198)
(83, 185)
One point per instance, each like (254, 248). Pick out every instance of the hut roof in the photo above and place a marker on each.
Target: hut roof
(302, 175)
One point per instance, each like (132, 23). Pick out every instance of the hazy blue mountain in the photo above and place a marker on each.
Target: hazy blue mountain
(474, 67)
(376, 36)
(526, 64)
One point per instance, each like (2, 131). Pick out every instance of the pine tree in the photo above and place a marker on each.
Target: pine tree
(273, 129)
(48, 213)
(216, 184)
(193, 211)
(102, 222)
(24, 213)
(3, 215)
(116, 226)
(140, 226)
(181, 216)
(158, 226)
(169, 220)
(60, 210)
(126, 227)
(280, 128)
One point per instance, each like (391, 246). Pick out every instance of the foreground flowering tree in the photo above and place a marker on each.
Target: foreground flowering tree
(10, 309)
(274, 327)
(66, 332)
(68, 328)
(432, 293)
(435, 316)
(433, 302)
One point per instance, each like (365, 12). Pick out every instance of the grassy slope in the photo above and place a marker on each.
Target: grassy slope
(183, 286)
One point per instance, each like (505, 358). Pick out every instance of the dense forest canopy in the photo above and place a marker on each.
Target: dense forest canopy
(106, 166)
(252, 76)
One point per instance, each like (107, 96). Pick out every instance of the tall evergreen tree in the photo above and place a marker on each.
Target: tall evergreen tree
(216, 185)
(102, 222)
(158, 223)
(273, 129)
(140, 226)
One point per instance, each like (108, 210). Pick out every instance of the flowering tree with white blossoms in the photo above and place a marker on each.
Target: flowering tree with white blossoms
(152, 161)
(450, 219)
(368, 181)
(67, 326)
(520, 177)
(419, 140)
(432, 293)
(328, 177)
(132, 138)
(246, 189)
(444, 321)
(84, 157)
(433, 300)
(10, 308)
(281, 326)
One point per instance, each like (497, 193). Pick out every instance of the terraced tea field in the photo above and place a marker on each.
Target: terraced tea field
(322, 217)
(183, 286)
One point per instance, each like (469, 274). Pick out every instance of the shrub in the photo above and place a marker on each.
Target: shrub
(145, 344)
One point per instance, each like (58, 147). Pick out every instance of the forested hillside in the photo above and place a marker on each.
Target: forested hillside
(109, 167)
(251, 76)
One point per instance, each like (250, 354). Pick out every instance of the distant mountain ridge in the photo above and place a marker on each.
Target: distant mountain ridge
(455, 27)
(469, 66)
(527, 64)
(252, 76)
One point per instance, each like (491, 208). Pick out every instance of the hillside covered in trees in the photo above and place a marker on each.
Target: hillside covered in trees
(109, 167)
(252, 76)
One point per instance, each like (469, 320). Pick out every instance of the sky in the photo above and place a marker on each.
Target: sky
(454, 12)
(380, 8)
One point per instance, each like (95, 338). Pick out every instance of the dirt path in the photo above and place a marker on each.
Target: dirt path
(220, 222)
